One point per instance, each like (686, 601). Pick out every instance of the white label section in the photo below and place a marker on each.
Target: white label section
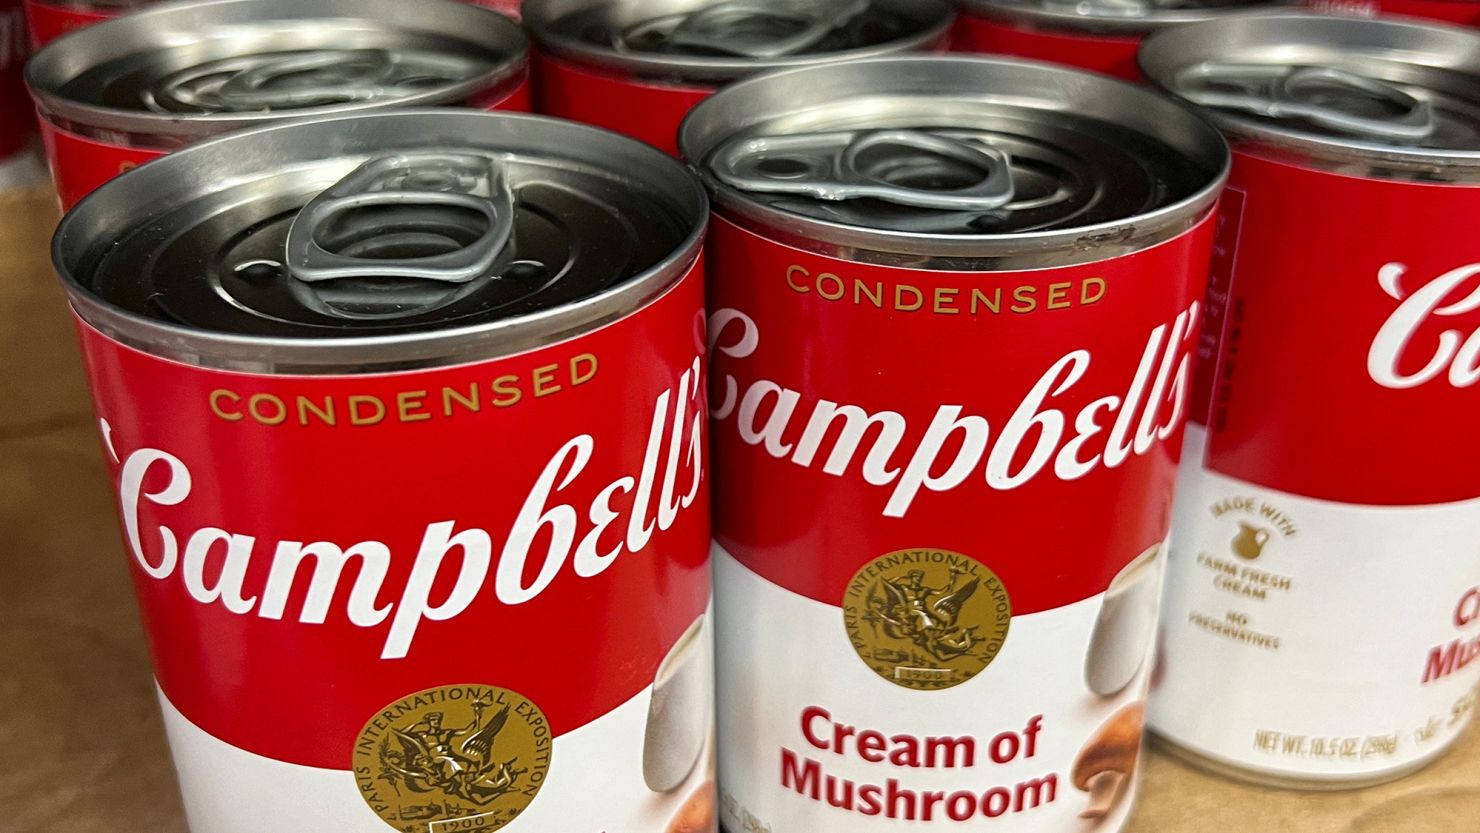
(596, 783)
(1306, 638)
(787, 670)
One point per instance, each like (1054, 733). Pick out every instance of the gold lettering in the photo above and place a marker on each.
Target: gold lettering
(544, 380)
(358, 417)
(469, 402)
(1026, 299)
(508, 387)
(945, 301)
(409, 406)
(899, 303)
(229, 416)
(796, 287)
(860, 291)
(254, 407)
(576, 377)
(306, 406)
(993, 303)
(822, 281)
(1084, 296)
(1058, 296)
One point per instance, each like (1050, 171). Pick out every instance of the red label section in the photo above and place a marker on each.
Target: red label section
(79, 164)
(1109, 54)
(1031, 420)
(309, 549)
(49, 21)
(1348, 357)
(17, 120)
(648, 111)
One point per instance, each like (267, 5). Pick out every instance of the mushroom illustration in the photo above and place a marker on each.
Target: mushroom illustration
(1106, 764)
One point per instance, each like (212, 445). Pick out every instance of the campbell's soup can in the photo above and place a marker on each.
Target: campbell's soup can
(47, 20)
(1464, 12)
(953, 315)
(1101, 35)
(128, 90)
(638, 66)
(512, 8)
(1323, 605)
(405, 415)
(17, 125)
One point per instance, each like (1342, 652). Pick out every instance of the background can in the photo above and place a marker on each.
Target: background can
(1099, 35)
(404, 412)
(639, 66)
(1463, 12)
(949, 370)
(47, 20)
(17, 125)
(1322, 609)
(131, 89)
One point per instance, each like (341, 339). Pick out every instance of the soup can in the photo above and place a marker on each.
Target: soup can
(1322, 610)
(1101, 35)
(129, 90)
(404, 413)
(953, 309)
(1464, 12)
(639, 66)
(17, 125)
(47, 20)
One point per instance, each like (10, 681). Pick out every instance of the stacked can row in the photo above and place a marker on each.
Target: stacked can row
(410, 410)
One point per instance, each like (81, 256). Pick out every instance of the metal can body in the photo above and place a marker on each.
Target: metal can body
(381, 555)
(1321, 615)
(46, 21)
(97, 120)
(1465, 12)
(16, 122)
(1102, 37)
(911, 635)
(638, 67)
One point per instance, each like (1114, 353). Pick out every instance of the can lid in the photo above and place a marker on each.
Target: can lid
(206, 67)
(968, 157)
(720, 40)
(1129, 17)
(1391, 92)
(364, 230)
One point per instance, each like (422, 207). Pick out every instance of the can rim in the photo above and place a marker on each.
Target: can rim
(1182, 212)
(700, 68)
(61, 60)
(1065, 19)
(358, 355)
(1327, 148)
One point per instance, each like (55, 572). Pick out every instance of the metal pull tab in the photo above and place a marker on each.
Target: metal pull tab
(1310, 93)
(286, 81)
(916, 168)
(761, 29)
(357, 227)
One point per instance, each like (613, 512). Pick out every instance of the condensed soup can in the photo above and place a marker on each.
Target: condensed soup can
(1323, 606)
(952, 322)
(639, 66)
(132, 89)
(405, 417)
(1102, 35)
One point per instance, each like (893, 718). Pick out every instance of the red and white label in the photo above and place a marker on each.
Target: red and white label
(1109, 54)
(309, 549)
(1030, 420)
(645, 110)
(17, 120)
(1326, 526)
(1450, 11)
(49, 21)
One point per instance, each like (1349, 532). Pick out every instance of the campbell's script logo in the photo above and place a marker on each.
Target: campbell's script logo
(1036, 437)
(548, 532)
(1456, 353)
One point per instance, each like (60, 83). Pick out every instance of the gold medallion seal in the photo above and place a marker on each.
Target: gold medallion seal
(459, 757)
(926, 619)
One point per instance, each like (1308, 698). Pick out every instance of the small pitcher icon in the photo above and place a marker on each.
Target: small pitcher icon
(1249, 543)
